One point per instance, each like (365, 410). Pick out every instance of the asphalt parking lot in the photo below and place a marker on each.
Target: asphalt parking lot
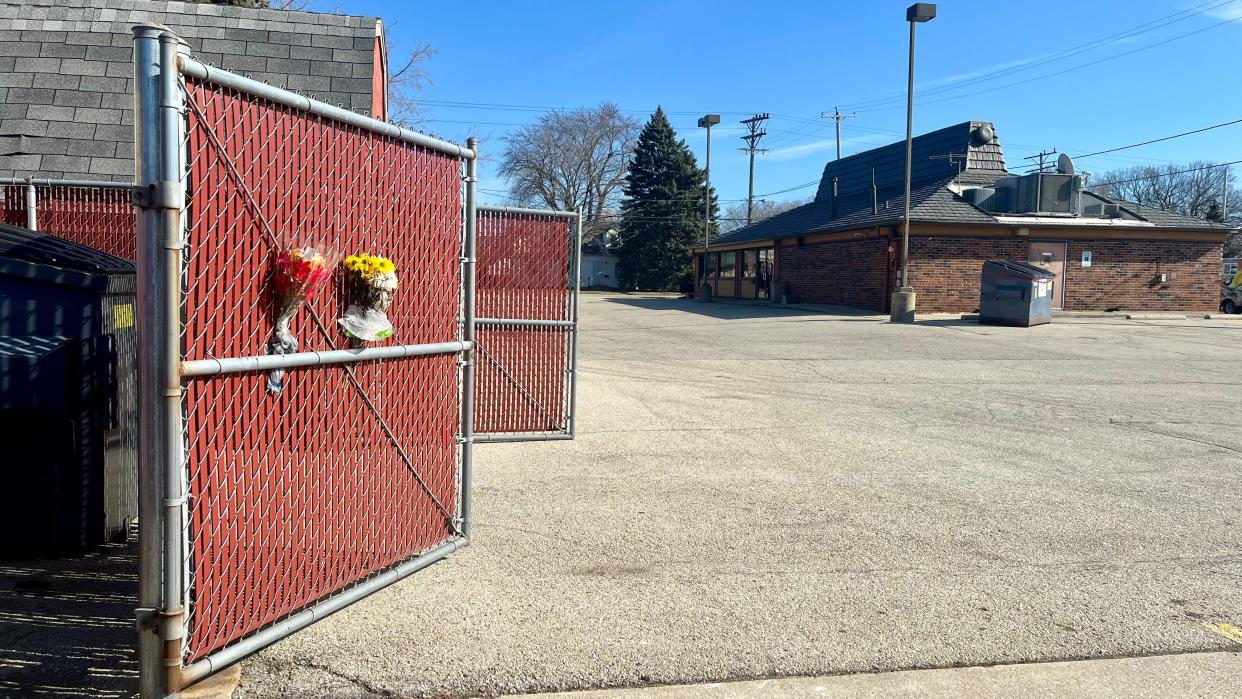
(759, 492)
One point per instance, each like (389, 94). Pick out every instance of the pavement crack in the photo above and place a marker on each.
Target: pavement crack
(1140, 428)
(355, 681)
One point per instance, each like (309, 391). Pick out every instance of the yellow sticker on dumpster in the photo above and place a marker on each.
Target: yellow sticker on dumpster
(123, 316)
(1229, 631)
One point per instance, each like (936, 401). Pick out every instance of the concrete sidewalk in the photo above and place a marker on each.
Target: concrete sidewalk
(1188, 675)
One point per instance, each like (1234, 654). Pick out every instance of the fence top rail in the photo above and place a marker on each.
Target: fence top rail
(526, 212)
(196, 69)
(49, 182)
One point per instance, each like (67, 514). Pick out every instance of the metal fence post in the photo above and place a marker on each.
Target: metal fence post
(468, 335)
(32, 205)
(151, 318)
(170, 198)
(576, 270)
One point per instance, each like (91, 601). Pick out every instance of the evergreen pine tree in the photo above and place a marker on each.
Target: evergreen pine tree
(662, 212)
(1215, 213)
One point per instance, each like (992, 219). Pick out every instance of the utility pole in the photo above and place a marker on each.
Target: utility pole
(1224, 207)
(1041, 156)
(752, 142)
(838, 117)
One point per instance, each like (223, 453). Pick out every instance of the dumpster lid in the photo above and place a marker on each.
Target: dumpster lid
(1021, 269)
(30, 345)
(23, 244)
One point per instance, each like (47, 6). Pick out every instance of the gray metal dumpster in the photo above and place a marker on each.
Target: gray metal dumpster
(1015, 293)
(68, 420)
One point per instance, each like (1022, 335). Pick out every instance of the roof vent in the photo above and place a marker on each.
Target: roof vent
(982, 135)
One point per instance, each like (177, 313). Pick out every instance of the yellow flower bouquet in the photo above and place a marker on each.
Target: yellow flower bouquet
(372, 281)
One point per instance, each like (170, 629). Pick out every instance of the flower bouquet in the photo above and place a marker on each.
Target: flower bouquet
(298, 274)
(372, 281)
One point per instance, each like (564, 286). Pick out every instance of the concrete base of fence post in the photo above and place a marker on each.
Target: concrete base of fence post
(705, 294)
(221, 685)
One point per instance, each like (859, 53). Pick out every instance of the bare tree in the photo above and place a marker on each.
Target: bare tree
(735, 215)
(1196, 189)
(1185, 189)
(407, 74)
(574, 159)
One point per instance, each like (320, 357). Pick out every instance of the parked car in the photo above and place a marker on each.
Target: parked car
(1231, 299)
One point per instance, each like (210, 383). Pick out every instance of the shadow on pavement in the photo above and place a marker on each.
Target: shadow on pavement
(67, 624)
(735, 310)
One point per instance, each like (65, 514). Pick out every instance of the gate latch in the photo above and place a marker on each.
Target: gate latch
(159, 195)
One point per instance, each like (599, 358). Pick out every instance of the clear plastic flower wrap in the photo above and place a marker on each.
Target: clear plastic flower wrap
(372, 282)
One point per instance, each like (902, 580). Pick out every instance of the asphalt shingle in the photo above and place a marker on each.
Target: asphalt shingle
(66, 72)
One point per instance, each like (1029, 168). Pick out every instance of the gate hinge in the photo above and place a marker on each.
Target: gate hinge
(468, 178)
(159, 195)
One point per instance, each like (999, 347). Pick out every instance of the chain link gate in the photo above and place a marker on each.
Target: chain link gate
(527, 336)
(260, 513)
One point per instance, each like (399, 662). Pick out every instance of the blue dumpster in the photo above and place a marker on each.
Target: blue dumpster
(1015, 293)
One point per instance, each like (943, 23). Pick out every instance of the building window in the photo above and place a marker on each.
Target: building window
(711, 265)
(749, 264)
(728, 265)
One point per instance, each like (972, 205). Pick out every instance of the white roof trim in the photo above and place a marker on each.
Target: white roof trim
(1072, 221)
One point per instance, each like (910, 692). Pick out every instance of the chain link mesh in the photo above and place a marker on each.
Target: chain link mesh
(522, 381)
(99, 217)
(351, 468)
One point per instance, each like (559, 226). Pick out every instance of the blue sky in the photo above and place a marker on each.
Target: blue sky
(798, 59)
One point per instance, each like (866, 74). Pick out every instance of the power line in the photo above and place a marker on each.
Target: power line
(791, 189)
(1067, 70)
(1159, 23)
(1164, 138)
(1165, 174)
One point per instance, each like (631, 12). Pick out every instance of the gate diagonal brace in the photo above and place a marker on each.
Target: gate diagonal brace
(556, 424)
(257, 212)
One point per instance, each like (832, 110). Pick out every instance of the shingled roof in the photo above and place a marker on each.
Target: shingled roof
(936, 156)
(932, 199)
(66, 72)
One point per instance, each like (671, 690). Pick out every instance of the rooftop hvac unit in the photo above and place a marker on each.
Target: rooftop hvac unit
(1102, 210)
(1042, 193)
(981, 197)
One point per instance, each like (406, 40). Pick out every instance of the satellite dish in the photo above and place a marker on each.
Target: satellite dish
(1065, 164)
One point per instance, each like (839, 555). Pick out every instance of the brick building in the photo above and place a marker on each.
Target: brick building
(66, 72)
(844, 247)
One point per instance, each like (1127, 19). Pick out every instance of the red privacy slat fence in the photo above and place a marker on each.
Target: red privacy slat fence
(99, 215)
(526, 307)
(285, 475)
(349, 469)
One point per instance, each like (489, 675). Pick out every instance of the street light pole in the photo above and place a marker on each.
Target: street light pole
(705, 288)
(902, 301)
